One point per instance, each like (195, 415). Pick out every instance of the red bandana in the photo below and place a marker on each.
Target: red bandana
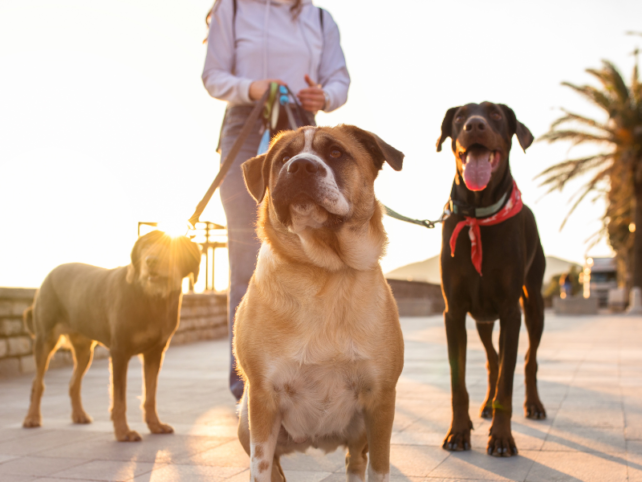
(510, 209)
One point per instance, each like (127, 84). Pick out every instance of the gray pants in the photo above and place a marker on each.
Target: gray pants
(241, 213)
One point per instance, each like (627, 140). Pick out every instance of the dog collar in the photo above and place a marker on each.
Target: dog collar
(464, 209)
(457, 207)
(512, 207)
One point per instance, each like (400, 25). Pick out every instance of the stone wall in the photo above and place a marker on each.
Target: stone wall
(416, 298)
(203, 317)
(15, 342)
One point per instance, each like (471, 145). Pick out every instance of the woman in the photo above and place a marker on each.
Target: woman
(252, 43)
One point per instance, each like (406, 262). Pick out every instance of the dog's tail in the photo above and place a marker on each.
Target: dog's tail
(27, 318)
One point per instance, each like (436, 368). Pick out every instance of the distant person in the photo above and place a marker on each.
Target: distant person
(252, 43)
(566, 286)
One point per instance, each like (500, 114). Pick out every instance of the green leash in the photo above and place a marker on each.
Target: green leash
(420, 222)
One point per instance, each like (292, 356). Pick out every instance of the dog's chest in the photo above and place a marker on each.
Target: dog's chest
(319, 400)
(153, 329)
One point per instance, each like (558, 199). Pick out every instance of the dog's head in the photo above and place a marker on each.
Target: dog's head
(320, 183)
(159, 262)
(481, 140)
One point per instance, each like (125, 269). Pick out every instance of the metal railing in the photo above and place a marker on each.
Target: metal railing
(209, 236)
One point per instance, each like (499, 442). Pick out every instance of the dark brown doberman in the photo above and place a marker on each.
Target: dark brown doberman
(491, 272)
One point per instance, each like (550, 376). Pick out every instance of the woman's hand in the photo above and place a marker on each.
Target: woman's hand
(258, 87)
(312, 98)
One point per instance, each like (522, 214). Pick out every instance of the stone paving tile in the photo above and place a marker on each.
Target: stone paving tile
(393, 478)
(21, 478)
(40, 440)
(476, 464)
(36, 466)
(585, 439)
(104, 470)
(230, 454)
(314, 460)
(634, 460)
(190, 473)
(415, 460)
(6, 458)
(241, 477)
(153, 448)
(577, 466)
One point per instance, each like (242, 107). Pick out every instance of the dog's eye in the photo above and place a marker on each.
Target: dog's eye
(286, 159)
(496, 116)
(335, 153)
(459, 119)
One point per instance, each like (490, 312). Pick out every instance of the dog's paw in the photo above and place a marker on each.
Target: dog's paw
(534, 410)
(32, 421)
(486, 411)
(160, 428)
(81, 417)
(129, 436)
(457, 441)
(501, 446)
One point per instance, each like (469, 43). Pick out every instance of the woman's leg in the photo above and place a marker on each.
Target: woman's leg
(242, 243)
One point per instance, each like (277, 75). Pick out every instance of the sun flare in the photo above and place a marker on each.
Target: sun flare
(174, 227)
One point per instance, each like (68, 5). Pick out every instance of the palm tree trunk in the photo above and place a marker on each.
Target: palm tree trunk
(635, 297)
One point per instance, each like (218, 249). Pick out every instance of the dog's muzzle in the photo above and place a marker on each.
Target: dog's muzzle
(303, 182)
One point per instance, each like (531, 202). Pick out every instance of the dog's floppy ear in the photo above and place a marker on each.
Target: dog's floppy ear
(379, 150)
(133, 269)
(256, 175)
(189, 256)
(446, 126)
(524, 136)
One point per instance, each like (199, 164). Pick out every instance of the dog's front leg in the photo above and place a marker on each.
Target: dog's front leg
(379, 417)
(458, 437)
(500, 441)
(153, 360)
(119, 363)
(265, 423)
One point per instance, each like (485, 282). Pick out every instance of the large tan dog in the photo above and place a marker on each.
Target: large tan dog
(317, 336)
(131, 310)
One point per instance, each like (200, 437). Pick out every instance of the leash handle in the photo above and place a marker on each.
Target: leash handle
(231, 157)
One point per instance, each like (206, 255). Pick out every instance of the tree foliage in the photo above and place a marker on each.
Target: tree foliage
(614, 171)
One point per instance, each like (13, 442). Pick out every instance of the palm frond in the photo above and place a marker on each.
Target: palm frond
(612, 81)
(573, 117)
(596, 96)
(575, 136)
(556, 177)
(582, 193)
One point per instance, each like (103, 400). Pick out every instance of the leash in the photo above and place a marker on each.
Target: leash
(231, 157)
(426, 223)
(274, 98)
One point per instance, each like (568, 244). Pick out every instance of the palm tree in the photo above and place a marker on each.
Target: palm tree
(615, 169)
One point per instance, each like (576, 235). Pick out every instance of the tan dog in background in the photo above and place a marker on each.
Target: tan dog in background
(131, 310)
(317, 336)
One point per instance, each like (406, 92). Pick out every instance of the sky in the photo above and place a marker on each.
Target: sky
(104, 121)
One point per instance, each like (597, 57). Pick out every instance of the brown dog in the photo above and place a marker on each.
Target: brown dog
(499, 262)
(131, 310)
(317, 336)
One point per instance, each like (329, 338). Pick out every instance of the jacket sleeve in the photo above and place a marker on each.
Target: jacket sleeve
(218, 74)
(333, 73)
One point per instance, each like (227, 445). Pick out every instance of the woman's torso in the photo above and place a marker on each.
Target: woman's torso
(270, 42)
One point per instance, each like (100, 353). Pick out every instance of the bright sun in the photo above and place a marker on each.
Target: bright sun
(174, 227)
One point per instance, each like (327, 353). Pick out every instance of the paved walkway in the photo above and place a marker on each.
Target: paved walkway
(590, 381)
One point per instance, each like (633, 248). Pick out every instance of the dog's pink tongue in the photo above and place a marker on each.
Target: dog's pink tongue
(477, 170)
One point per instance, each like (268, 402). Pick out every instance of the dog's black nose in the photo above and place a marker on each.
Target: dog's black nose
(475, 124)
(303, 166)
(151, 261)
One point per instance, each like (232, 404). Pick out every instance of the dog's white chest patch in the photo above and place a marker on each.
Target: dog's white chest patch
(318, 400)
